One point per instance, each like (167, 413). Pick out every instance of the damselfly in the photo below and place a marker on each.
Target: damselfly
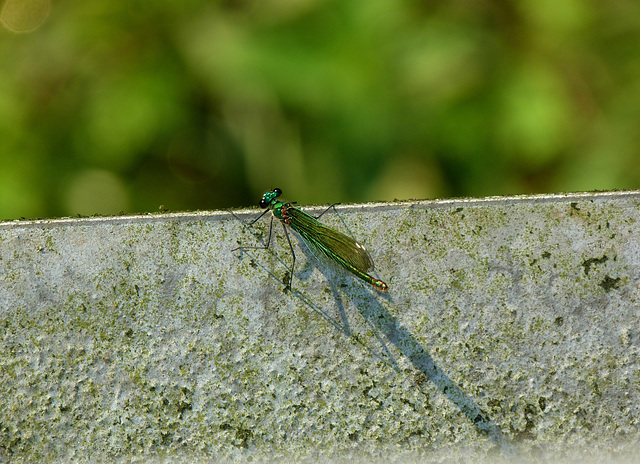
(322, 240)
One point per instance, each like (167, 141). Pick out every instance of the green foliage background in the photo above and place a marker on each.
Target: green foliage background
(109, 106)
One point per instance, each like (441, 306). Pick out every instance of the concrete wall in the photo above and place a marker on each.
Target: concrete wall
(511, 329)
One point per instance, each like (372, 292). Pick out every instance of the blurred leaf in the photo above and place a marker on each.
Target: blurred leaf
(207, 104)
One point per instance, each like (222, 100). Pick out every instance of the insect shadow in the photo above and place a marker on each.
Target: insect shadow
(388, 330)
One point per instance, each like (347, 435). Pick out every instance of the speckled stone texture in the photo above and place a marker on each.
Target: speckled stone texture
(511, 330)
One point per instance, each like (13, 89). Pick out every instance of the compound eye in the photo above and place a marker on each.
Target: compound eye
(263, 203)
(277, 191)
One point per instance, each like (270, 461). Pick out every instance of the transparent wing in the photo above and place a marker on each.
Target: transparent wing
(329, 242)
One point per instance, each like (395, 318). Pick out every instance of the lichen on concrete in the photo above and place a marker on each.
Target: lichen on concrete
(510, 329)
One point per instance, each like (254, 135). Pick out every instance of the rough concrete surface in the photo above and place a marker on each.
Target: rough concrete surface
(511, 331)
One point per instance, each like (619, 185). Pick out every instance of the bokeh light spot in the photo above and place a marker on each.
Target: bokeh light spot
(24, 15)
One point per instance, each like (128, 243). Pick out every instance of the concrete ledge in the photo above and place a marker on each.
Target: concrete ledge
(511, 329)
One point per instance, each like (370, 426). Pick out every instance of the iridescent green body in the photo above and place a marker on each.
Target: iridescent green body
(334, 245)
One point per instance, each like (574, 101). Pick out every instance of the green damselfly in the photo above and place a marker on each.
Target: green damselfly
(321, 240)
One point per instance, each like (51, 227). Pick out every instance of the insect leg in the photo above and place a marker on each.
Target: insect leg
(253, 221)
(265, 247)
(293, 263)
(333, 206)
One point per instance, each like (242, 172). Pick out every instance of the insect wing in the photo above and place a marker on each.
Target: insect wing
(328, 241)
